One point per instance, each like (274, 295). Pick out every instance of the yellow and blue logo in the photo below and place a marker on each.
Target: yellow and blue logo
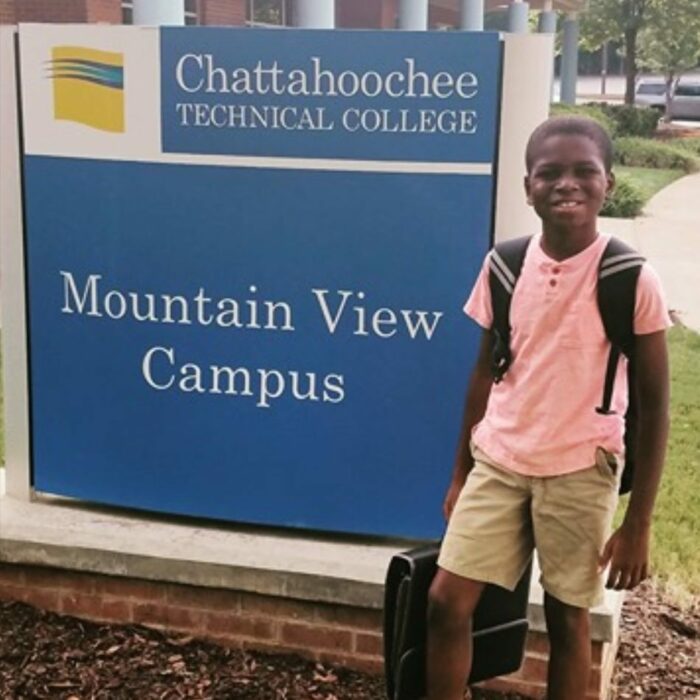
(88, 86)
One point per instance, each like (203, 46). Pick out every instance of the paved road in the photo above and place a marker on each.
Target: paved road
(668, 235)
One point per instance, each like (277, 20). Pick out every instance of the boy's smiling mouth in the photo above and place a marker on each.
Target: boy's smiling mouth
(566, 203)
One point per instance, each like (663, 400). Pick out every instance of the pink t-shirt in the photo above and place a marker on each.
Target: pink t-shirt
(540, 419)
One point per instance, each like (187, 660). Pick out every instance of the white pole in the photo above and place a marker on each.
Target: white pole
(159, 12)
(413, 14)
(569, 59)
(314, 14)
(517, 17)
(472, 15)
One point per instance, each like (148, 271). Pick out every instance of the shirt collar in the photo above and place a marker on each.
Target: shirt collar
(593, 251)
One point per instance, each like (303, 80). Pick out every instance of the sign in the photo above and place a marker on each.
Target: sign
(247, 256)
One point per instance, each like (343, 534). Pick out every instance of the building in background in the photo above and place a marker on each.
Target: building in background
(351, 14)
(504, 15)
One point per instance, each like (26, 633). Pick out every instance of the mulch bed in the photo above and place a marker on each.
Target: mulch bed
(44, 655)
(659, 654)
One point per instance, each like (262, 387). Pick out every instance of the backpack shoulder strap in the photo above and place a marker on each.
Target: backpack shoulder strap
(618, 273)
(505, 263)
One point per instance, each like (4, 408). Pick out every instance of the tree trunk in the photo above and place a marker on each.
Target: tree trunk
(669, 92)
(630, 64)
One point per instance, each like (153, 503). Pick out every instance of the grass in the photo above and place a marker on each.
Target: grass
(676, 534)
(675, 555)
(648, 180)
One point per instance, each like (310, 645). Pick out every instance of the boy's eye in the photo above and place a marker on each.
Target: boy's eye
(580, 171)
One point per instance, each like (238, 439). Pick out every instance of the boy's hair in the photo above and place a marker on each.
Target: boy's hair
(570, 126)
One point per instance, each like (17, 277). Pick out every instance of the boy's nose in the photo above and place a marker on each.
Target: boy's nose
(566, 182)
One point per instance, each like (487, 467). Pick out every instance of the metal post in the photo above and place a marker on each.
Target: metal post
(159, 12)
(569, 59)
(517, 17)
(472, 15)
(604, 68)
(413, 14)
(547, 22)
(314, 14)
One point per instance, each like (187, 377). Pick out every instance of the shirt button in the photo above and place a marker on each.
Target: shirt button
(556, 270)
(552, 283)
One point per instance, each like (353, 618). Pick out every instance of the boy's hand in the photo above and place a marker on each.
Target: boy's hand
(451, 497)
(627, 552)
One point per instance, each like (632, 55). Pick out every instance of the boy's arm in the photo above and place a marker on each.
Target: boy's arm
(628, 548)
(474, 409)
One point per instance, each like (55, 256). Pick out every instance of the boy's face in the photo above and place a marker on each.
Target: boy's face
(567, 183)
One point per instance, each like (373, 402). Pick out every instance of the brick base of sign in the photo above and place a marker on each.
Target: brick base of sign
(531, 679)
(323, 632)
(319, 631)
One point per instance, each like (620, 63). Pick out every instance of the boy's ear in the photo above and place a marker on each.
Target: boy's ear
(526, 183)
(611, 182)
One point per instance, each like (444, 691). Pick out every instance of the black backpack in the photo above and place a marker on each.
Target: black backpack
(618, 273)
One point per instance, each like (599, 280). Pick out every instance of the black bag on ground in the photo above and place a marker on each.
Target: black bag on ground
(499, 629)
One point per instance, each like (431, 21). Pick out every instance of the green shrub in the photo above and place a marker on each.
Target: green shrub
(632, 121)
(625, 201)
(646, 153)
(690, 144)
(591, 110)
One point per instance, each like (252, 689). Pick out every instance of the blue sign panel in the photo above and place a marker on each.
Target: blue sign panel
(369, 95)
(259, 341)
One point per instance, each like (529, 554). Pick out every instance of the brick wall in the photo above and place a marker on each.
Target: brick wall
(320, 631)
(350, 14)
(222, 12)
(442, 16)
(7, 12)
(50, 10)
(371, 14)
(530, 679)
(109, 11)
(323, 632)
(213, 12)
(390, 9)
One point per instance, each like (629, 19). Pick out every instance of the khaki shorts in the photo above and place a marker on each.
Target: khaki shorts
(501, 516)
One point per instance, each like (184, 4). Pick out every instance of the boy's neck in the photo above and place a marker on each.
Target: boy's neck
(560, 243)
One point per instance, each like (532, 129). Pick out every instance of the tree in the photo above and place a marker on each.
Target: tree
(616, 20)
(670, 43)
(267, 11)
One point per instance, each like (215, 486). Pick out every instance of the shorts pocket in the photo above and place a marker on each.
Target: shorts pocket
(608, 464)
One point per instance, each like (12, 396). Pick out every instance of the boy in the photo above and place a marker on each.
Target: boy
(543, 467)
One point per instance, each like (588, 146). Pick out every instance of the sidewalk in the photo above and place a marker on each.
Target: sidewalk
(668, 235)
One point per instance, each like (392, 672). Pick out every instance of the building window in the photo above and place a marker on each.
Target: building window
(191, 16)
(127, 12)
(267, 13)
